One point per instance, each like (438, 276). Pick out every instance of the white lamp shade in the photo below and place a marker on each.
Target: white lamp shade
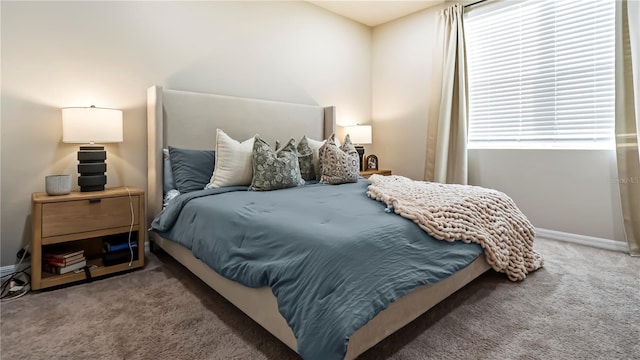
(359, 134)
(91, 125)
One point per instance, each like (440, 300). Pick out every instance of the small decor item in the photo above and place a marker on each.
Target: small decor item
(372, 162)
(57, 184)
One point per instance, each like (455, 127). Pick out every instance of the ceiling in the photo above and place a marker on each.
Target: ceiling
(374, 12)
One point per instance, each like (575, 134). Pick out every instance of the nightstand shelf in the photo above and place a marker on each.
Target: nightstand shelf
(367, 173)
(49, 279)
(81, 221)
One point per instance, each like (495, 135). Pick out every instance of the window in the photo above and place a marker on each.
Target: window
(541, 74)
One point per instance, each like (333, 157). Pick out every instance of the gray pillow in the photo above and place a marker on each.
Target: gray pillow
(192, 169)
(168, 183)
(274, 170)
(339, 165)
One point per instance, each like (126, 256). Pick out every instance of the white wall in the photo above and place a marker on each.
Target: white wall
(57, 54)
(568, 191)
(572, 191)
(401, 80)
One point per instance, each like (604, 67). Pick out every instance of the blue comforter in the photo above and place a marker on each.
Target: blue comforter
(332, 256)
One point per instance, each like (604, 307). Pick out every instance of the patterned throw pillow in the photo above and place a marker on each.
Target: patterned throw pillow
(274, 170)
(339, 164)
(305, 159)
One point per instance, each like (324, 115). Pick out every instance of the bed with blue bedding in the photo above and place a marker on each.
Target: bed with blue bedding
(323, 268)
(333, 257)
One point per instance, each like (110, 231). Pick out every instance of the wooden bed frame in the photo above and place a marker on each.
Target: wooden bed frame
(189, 120)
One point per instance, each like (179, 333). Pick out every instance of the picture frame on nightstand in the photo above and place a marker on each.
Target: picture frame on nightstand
(371, 162)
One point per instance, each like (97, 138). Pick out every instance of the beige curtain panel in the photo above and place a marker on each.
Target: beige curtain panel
(628, 117)
(448, 116)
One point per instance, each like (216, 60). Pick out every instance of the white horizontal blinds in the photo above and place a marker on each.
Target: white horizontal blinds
(541, 73)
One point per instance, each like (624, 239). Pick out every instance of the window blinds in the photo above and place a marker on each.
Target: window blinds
(541, 74)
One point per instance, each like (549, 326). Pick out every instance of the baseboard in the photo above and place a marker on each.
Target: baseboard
(596, 242)
(9, 269)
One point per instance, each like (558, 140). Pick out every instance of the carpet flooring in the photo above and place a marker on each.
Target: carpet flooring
(584, 304)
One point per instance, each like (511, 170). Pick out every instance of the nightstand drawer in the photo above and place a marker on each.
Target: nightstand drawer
(78, 216)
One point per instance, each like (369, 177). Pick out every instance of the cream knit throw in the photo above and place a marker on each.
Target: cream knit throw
(467, 213)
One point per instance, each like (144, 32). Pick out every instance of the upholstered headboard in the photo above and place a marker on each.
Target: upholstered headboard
(189, 120)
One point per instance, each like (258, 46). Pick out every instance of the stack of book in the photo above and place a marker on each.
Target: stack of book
(63, 262)
(117, 251)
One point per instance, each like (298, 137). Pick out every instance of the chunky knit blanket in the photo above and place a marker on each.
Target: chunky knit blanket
(466, 213)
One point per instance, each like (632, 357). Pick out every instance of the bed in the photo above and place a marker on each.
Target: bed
(189, 120)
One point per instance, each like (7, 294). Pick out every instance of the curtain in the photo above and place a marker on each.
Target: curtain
(446, 159)
(628, 117)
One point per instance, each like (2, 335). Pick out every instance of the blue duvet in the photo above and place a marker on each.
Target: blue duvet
(332, 256)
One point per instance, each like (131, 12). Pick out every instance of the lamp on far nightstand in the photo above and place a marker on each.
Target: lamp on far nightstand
(360, 135)
(90, 125)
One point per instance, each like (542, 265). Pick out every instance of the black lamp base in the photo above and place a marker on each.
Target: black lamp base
(92, 168)
(360, 150)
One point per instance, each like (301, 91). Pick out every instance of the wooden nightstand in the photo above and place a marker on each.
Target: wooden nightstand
(81, 220)
(365, 174)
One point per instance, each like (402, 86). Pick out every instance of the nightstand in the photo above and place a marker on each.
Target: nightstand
(365, 174)
(80, 221)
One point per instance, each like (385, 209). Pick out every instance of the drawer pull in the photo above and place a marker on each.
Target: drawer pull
(94, 201)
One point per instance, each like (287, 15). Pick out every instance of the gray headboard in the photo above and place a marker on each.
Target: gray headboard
(189, 120)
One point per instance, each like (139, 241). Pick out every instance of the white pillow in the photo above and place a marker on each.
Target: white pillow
(233, 161)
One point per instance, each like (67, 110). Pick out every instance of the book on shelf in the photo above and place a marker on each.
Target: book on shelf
(109, 246)
(63, 262)
(63, 254)
(63, 270)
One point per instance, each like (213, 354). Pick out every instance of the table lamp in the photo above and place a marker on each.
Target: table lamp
(360, 135)
(90, 125)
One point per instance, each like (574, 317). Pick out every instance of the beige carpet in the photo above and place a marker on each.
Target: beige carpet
(584, 304)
